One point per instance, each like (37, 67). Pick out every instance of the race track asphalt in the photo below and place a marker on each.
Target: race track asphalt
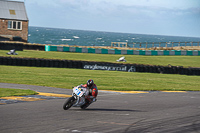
(114, 112)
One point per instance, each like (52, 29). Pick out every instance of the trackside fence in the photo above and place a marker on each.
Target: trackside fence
(154, 44)
(19, 46)
(34, 62)
(119, 51)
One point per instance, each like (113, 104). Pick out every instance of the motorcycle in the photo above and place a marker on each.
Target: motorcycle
(78, 98)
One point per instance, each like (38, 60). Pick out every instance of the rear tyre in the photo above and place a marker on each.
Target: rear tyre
(84, 106)
(68, 103)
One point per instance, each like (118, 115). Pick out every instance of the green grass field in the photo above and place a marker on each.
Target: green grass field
(105, 80)
(186, 61)
(5, 92)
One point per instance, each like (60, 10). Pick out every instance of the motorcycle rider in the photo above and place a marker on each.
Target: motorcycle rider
(93, 92)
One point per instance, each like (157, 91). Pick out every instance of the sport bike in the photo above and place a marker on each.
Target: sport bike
(78, 98)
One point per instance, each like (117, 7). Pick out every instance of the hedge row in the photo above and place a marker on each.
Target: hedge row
(34, 47)
(97, 66)
(20, 46)
(9, 46)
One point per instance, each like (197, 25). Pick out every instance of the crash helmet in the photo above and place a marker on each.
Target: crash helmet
(90, 83)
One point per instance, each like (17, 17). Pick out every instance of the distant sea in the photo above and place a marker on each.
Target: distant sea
(57, 36)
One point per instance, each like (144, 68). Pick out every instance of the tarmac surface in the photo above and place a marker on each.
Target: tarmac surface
(114, 112)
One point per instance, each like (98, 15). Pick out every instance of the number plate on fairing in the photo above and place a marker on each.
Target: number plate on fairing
(78, 92)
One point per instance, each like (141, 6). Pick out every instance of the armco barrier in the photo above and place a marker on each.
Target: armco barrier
(124, 52)
(98, 66)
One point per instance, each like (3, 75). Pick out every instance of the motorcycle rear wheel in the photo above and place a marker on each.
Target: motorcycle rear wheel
(84, 106)
(68, 103)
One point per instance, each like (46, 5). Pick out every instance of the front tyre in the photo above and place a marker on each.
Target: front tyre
(68, 103)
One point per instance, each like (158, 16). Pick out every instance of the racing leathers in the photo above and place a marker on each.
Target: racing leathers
(93, 92)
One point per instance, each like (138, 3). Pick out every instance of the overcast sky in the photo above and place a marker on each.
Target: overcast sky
(158, 17)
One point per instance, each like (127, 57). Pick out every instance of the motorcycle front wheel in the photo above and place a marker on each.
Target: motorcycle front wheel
(68, 103)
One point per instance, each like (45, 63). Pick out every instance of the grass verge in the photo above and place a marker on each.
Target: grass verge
(186, 61)
(5, 92)
(105, 80)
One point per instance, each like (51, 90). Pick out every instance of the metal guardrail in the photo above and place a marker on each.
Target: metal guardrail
(153, 44)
